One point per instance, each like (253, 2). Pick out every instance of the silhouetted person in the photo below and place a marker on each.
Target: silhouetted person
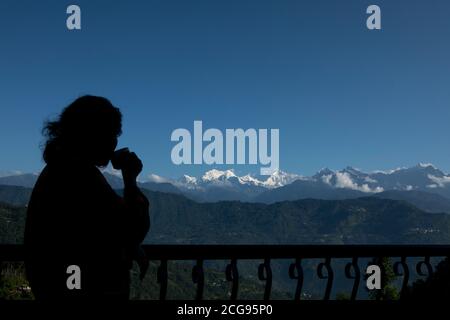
(74, 217)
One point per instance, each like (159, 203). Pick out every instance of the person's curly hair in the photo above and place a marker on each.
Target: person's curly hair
(80, 126)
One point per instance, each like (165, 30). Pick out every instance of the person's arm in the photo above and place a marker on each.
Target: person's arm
(138, 208)
(135, 201)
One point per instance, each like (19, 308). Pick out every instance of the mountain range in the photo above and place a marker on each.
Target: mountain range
(179, 220)
(345, 211)
(371, 220)
(423, 185)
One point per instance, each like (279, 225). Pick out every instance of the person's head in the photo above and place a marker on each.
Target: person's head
(86, 130)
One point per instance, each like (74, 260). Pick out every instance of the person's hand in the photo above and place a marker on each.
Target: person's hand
(132, 167)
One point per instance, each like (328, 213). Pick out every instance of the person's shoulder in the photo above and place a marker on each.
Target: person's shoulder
(71, 175)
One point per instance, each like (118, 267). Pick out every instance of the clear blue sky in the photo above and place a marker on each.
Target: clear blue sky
(339, 93)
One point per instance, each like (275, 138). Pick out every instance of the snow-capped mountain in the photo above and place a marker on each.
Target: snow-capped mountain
(228, 178)
(215, 185)
(351, 183)
(420, 177)
(423, 176)
(280, 178)
(214, 176)
(186, 181)
(349, 178)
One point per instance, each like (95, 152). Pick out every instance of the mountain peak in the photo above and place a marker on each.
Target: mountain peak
(248, 179)
(427, 169)
(323, 172)
(214, 175)
(357, 173)
(155, 178)
(188, 179)
(426, 165)
(352, 169)
(280, 178)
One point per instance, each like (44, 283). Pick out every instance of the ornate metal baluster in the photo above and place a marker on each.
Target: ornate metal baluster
(198, 277)
(267, 277)
(162, 279)
(232, 274)
(329, 276)
(405, 274)
(348, 273)
(427, 264)
(297, 266)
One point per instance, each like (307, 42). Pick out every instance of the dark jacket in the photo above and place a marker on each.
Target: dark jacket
(75, 218)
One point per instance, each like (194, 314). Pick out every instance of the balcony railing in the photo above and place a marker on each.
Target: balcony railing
(421, 254)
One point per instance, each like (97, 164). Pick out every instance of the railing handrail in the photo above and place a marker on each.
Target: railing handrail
(232, 253)
(16, 252)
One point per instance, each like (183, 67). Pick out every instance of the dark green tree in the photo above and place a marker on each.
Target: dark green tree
(388, 290)
(435, 288)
